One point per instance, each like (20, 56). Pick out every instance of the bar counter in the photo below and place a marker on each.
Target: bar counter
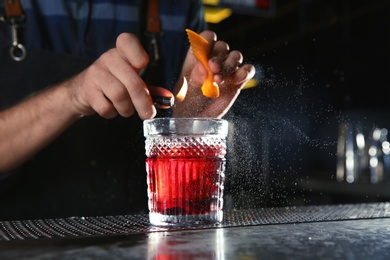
(345, 231)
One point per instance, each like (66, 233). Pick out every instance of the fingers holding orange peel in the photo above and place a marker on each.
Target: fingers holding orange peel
(201, 48)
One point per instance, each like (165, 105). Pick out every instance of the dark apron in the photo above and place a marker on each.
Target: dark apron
(96, 167)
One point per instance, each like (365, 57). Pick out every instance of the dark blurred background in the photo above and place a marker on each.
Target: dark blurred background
(321, 76)
(319, 64)
(343, 43)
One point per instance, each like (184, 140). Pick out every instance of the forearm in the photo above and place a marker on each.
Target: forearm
(110, 86)
(32, 124)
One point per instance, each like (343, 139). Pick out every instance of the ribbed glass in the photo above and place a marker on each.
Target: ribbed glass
(185, 172)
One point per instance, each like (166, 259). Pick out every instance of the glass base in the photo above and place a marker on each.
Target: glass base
(158, 219)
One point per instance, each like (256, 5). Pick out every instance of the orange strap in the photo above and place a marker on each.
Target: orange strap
(13, 9)
(153, 19)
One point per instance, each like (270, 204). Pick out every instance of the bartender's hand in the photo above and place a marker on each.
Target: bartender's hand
(112, 84)
(229, 72)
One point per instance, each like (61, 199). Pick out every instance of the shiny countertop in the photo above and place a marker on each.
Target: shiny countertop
(359, 231)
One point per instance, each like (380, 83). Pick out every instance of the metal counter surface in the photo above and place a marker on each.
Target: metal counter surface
(360, 231)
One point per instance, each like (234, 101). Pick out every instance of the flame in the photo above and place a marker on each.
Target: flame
(183, 91)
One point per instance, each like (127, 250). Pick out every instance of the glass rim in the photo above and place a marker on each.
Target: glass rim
(185, 126)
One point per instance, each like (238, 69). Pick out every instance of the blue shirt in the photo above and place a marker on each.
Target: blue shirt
(89, 28)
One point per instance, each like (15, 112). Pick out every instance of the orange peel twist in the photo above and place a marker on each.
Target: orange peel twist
(201, 49)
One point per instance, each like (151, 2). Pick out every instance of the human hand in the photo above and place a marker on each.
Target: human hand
(112, 84)
(229, 73)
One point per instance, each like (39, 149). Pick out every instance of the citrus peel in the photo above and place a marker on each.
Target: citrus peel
(201, 49)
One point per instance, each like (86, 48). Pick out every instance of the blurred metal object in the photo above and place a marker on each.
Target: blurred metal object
(376, 155)
(350, 153)
(362, 155)
(17, 51)
(341, 143)
(163, 101)
(14, 17)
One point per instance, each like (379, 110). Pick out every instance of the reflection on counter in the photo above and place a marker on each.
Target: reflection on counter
(166, 245)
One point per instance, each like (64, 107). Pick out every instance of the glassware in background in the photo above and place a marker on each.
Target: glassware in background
(185, 170)
(363, 155)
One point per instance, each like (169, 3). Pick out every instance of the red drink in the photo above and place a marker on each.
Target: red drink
(182, 184)
(186, 185)
(185, 170)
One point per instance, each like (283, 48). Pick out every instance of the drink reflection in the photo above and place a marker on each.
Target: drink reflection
(165, 245)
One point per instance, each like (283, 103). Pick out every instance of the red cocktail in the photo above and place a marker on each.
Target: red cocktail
(186, 185)
(185, 175)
